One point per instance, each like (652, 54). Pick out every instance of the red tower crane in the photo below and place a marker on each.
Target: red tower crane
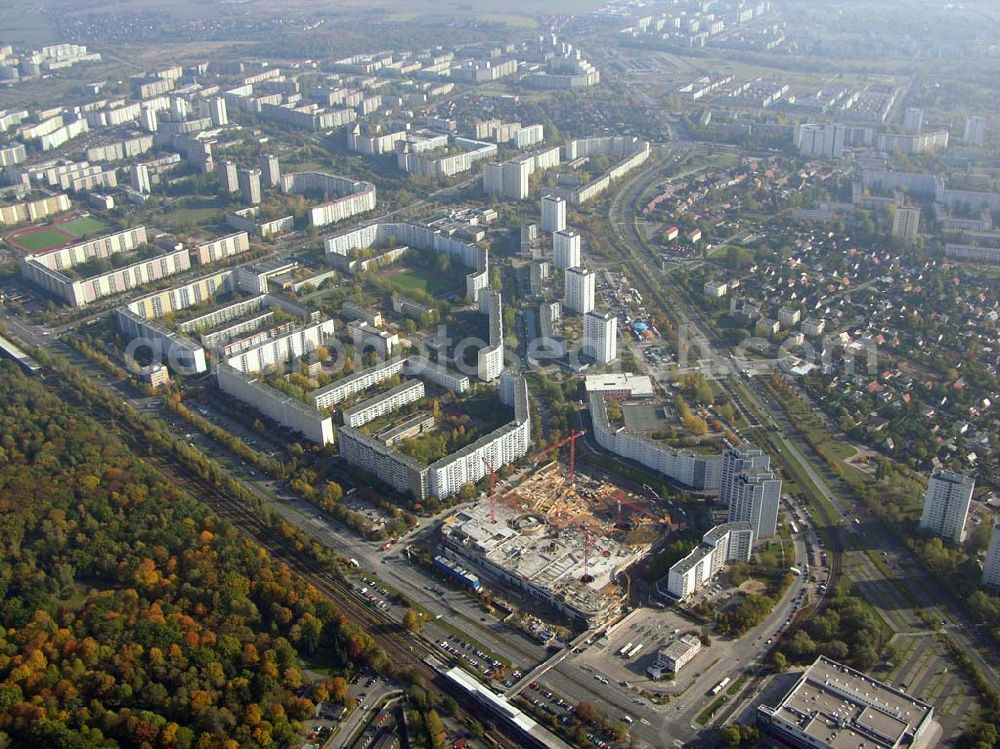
(571, 439)
(622, 501)
(493, 483)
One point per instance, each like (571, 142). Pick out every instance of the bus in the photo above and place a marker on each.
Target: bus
(795, 571)
(625, 648)
(721, 685)
(634, 651)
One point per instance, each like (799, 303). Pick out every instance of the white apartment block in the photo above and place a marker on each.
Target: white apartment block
(755, 499)
(905, 223)
(696, 471)
(121, 150)
(630, 150)
(566, 250)
(226, 170)
(749, 489)
(813, 327)
(181, 353)
(913, 120)
(217, 111)
(309, 117)
(975, 131)
(736, 460)
(553, 213)
(335, 392)
(973, 252)
(80, 292)
(284, 409)
(991, 568)
(355, 196)
(221, 248)
(340, 249)
(298, 343)
(600, 336)
(722, 545)
(823, 141)
(580, 289)
(490, 357)
(789, 316)
(445, 477)
(139, 176)
(413, 159)
(374, 141)
(367, 337)
(384, 403)
(249, 182)
(270, 169)
(12, 155)
(508, 179)
(515, 179)
(715, 289)
(946, 505)
(174, 299)
(149, 120)
(911, 143)
(34, 210)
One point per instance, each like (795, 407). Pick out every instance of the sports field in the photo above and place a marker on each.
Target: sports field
(42, 239)
(86, 226)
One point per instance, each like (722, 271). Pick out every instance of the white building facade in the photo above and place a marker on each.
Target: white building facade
(600, 336)
(580, 290)
(553, 213)
(946, 505)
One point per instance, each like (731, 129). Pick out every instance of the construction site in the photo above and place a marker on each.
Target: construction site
(560, 537)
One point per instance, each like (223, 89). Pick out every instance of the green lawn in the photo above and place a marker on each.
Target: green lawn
(43, 239)
(85, 227)
(411, 280)
(195, 211)
(840, 450)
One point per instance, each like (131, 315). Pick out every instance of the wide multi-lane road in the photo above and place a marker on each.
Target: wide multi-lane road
(776, 430)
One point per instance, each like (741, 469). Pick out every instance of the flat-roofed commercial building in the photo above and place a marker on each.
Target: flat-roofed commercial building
(832, 706)
(672, 657)
(620, 385)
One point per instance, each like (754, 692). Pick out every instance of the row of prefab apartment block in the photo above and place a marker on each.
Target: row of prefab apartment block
(248, 341)
(349, 197)
(53, 269)
(246, 338)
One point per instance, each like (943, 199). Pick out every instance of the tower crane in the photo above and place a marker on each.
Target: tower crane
(571, 439)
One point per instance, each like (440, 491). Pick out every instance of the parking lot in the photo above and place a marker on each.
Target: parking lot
(651, 629)
(546, 701)
(477, 661)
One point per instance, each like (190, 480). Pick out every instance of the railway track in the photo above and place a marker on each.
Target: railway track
(627, 239)
(404, 649)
